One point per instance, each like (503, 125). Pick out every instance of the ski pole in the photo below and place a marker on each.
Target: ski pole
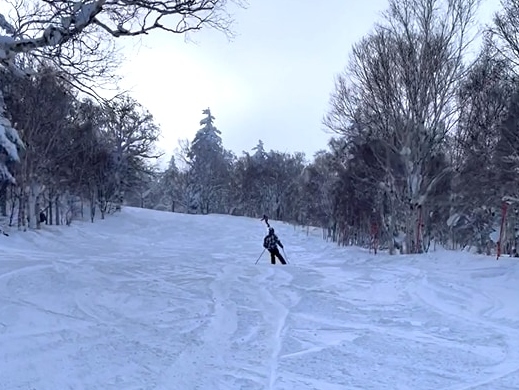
(286, 257)
(260, 256)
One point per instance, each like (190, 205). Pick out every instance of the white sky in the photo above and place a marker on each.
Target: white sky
(272, 82)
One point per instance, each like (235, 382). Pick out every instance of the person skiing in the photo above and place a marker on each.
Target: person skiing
(271, 242)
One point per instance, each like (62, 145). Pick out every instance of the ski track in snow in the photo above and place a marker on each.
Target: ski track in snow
(151, 300)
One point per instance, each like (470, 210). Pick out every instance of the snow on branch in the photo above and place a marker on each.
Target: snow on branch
(510, 199)
(68, 33)
(136, 17)
(6, 26)
(61, 21)
(73, 24)
(10, 142)
(9, 138)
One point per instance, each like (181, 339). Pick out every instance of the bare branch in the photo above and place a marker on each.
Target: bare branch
(506, 29)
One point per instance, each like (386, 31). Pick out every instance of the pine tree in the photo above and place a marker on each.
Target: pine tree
(210, 166)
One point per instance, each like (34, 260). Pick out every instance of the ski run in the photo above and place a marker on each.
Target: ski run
(156, 300)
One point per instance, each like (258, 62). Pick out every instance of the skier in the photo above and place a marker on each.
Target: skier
(270, 242)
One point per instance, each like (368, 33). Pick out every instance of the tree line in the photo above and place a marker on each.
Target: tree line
(425, 149)
(65, 152)
(426, 145)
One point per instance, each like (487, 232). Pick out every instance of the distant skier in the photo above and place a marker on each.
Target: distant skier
(271, 242)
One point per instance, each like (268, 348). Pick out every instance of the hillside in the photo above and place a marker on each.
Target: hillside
(155, 300)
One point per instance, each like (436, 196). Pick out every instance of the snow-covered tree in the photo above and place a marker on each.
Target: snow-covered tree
(210, 166)
(317, 185)
(249, 181)
(482, 176)
(131, 133)
(506, 29)
(259, 151)
(71, 35)
(40, 105)
(169, 186)
(401, 88)
(10, 144)
(268, 183)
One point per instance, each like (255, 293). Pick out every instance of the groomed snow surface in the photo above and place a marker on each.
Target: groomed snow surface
(156, 300)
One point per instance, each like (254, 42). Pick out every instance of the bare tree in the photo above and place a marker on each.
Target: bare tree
(131, 133)
(318, 183)
(40, 106)
(400, 87)
(506, 29)
(72, 33)
(56, 23)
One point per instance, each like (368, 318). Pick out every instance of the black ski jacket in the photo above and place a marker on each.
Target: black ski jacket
(271, 241)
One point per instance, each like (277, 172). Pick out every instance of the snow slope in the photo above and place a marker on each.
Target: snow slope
(154, 300)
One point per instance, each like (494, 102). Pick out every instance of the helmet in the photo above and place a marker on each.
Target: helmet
(271, 230)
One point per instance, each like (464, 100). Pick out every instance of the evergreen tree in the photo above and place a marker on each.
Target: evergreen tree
(210, 166)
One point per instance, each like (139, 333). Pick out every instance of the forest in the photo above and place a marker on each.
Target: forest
(425, 122)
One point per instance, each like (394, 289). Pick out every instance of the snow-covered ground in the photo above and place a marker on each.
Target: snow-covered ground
(154, 300)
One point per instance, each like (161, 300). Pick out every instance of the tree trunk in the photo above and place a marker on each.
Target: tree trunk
(49, 219)
(38, 211)
(58, 210)
(92, 205)
(103, 204)
(22, 215)
(34, 204)
(391, 226)
(3, 200)
(14, 198)
(69, 214)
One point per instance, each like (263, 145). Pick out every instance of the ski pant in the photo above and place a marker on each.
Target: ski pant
(275, 253)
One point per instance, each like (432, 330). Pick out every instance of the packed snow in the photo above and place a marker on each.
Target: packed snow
(157, 300)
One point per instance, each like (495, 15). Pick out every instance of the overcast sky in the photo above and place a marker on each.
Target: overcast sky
(271, 82)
